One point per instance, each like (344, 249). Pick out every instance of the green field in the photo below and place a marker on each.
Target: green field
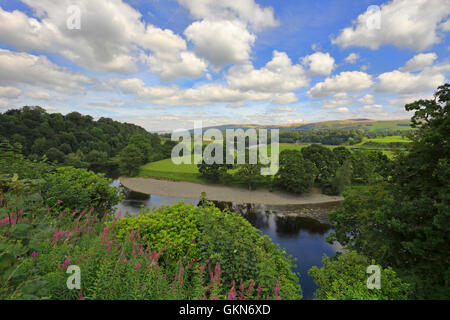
(166, 169)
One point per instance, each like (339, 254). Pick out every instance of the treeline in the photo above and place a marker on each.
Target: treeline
(330, 137)
(78, 140)
(330, 169)
(335, 137)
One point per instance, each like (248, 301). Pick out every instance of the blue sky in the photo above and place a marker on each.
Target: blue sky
(164, 64)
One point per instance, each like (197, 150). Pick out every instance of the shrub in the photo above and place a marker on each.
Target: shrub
(74, 188)
(344, 278)
(224, 238)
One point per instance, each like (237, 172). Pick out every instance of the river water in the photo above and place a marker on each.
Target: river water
(300, 230)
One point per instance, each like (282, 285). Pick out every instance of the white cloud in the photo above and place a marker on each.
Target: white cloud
(367, 99)
(284, 109)
(339, 99)
(420, 61)
(402, 100)
(371, 108)
(112, 38)
(445, 26)
(42, 95)
(284, 98)
(186, 65)
(412, 24)
(352, 58)
(174, 96)
(9, 92)
(23, 68)
(343, 82)
(278, 75)
(341, 110)
(319, 63)
(407, 82)
(221, 42)
(246, 11)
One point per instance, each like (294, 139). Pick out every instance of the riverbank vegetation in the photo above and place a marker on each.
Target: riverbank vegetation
(55, 217)
(402, 221)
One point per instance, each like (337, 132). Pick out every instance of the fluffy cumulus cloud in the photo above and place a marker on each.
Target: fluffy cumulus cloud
(174, 96)
(319, 63)
(19, 68)
(221, 42)
(278, 75)
(407, 82)
(344, 82)
(420, 61)
(247, 11)
(413, 24)
(101, 44)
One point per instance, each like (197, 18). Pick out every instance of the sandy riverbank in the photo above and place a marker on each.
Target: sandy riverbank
(183, 189)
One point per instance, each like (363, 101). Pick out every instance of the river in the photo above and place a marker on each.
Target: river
(301, 236)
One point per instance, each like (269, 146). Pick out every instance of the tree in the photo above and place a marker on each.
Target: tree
(341, 154)
(130, 159)
(324, 161)
(344, 278)
(342, 179)
(214, 171)
(249, 174)
(295, 174)
(404, 221)
(143, 143)
(54, 155)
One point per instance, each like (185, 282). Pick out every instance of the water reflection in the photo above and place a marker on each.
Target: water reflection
(303, 237)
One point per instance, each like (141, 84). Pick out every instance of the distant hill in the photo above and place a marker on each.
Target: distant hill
(364, 124)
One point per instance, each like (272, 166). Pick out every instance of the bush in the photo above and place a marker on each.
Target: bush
(111, 268)
(344, 278)
(74, 189)
(225, 238)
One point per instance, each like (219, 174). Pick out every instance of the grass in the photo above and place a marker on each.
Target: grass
(166, 169)
(381, 144)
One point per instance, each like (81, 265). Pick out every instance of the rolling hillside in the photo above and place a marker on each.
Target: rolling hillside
(364, 124)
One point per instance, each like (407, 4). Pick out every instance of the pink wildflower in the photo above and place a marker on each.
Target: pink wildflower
(66, 263)
(232, 293)
(277, 290)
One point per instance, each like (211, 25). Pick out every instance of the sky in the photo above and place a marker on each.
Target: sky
(163, 64)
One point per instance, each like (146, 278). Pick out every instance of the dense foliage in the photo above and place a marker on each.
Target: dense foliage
(177, 252)
(208, 234)
(77, 140)
(403, 221)
(295, 174)
(329, 137)
(344, 277)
